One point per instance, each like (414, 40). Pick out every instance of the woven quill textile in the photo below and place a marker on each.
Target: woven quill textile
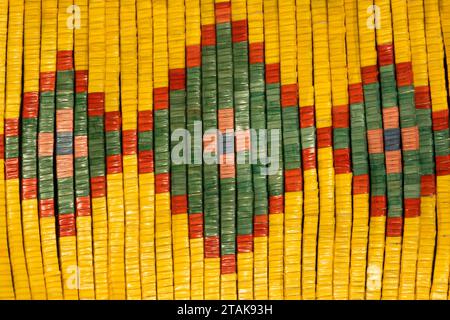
(224, 149)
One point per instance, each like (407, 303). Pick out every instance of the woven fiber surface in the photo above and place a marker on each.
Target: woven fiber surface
(224, 149)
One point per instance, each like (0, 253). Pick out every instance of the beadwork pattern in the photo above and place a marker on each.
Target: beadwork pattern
(224, 149)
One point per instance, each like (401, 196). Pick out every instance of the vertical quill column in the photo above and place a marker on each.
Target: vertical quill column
(360, 161)
(46, 153)
(96, 144)
(371, 89)
(114, 167)
(427, 233)
(177, 98)
(392, 152)
(305, 68)
(12, 149)
(6, 284)
(258, 123)
(146, 149)
(293, 179)
(244, 182)
(438, 90)
(194, 126)
(226, 123)
(81, 161)
(323, 106)
(30, 108)
(210, 147)
(275, 180)
(163, 219)
(410, 148)
(128, 100)
(341, 148)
